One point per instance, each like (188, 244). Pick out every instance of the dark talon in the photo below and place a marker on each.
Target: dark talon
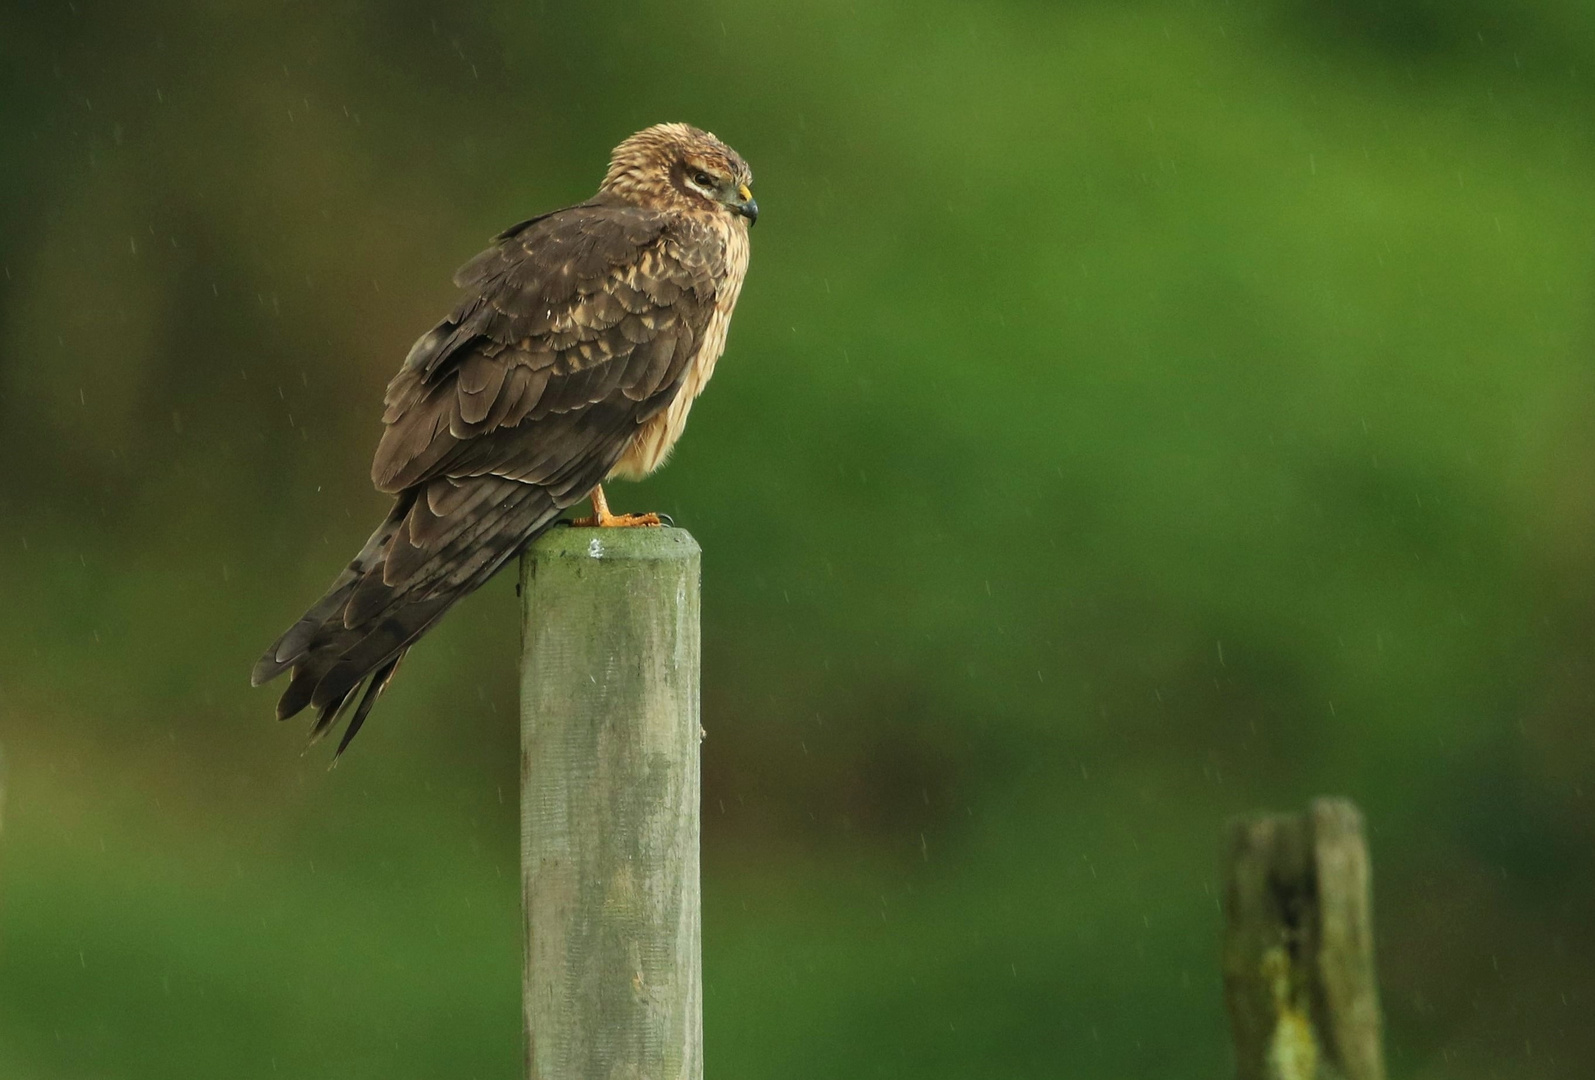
(666, 518)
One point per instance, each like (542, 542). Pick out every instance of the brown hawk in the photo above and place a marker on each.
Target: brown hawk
(575, 355)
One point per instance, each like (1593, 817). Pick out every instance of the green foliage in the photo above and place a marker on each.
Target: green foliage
(1136, 414)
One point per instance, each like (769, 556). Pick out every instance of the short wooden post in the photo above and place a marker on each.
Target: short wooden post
(609, 805)
(1298, 947)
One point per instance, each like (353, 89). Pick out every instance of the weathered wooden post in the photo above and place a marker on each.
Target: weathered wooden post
(609, 805)
(1298, 947)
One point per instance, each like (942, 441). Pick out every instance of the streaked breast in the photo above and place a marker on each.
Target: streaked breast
(654, 440)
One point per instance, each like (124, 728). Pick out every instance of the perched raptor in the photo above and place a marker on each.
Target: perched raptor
(575, 355)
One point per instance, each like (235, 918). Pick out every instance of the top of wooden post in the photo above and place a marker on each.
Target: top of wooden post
(646, 543)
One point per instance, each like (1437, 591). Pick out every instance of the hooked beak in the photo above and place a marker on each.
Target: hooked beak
(746, 206)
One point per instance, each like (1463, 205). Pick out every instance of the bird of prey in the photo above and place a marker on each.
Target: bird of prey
(582, 339)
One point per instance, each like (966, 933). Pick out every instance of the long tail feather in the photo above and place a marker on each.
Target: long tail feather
(379, 682)
(357, 633)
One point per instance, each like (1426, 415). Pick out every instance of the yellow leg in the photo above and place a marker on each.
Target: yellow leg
(603, 519)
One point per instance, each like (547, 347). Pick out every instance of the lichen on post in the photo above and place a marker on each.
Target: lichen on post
(610, 805)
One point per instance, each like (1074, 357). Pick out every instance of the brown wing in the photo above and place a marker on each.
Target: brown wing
(578, 327)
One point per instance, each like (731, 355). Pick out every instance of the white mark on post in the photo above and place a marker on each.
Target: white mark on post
(595, 548)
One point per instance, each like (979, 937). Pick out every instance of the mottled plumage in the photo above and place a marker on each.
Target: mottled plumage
(582, 339)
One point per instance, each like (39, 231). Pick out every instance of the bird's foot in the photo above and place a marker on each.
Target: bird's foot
(603, 519)
(617, 521)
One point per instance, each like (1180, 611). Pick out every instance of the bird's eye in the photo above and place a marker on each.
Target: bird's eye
(703, 179)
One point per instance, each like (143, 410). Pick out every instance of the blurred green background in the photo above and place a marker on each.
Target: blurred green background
(1138, 413)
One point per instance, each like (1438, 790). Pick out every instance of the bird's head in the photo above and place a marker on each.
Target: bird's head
(679, 166)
